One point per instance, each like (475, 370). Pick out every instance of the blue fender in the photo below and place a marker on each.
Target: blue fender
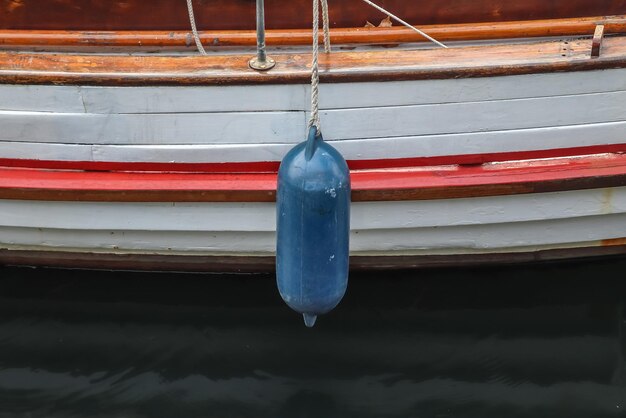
(313, 227)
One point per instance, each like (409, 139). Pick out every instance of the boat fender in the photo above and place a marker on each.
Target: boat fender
(313, 227)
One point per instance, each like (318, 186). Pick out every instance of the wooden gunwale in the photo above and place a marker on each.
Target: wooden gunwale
(421, 183)
(383, 65)
(285, 37)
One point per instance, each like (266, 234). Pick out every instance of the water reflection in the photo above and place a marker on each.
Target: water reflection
(510, 342)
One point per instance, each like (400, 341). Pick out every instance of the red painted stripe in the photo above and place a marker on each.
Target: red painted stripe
(22, 178)
(511, 173)
(272, 166)
(471, 159)
(230, 167)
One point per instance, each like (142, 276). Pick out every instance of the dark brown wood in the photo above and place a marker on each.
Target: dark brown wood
(137, 262)
(190, 195)
(286, 14)
(181, 40)
(377, 65)
(261, 264)
(470, 260)
(596, 44)
(461, 192)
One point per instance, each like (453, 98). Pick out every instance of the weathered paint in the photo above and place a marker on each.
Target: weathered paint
(409, 183)
(462, 226)
(164, 159)
(205, 99)
(417, 122)
(284, 126)
(613, 242)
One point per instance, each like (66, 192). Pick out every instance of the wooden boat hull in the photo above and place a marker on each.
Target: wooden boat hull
(499, 212)
(504, 152)
(241, 236)
(250, 128)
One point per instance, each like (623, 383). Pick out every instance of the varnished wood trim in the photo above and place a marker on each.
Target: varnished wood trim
(182, 39)
(596, 45)
(614, 242)
(191, 195)
(461, 192)
(419, 183)
(384, 65)
(250, 264)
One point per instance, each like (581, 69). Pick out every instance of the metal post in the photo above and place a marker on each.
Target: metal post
(261, 62)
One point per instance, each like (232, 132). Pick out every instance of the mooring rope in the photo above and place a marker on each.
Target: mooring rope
(315, 76)
(326, 25)
(194, 29)
(430, 38)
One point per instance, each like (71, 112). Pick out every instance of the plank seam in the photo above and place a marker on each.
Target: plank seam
(210, 146)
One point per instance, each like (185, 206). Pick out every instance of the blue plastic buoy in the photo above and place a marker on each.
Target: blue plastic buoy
(313, 227)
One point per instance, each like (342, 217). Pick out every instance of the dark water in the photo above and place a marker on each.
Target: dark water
(543, 341)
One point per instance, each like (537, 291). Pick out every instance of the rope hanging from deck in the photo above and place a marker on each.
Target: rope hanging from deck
(315, 77)
(194, 29)
(326, 25)
(196, 36)
(396, 18)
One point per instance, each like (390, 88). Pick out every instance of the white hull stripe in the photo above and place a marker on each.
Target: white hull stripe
(129, 100)
(490, 224)
(553, 138)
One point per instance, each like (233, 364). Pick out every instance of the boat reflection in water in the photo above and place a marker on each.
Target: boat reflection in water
(510, 342)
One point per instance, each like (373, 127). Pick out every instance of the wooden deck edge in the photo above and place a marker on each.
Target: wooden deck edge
(378, 65)
(251, 264)
(150, 39)
(417, 183)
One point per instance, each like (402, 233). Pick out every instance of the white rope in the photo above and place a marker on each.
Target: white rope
(192, 20)
(326, 24)
(405, 23)
(315, 77)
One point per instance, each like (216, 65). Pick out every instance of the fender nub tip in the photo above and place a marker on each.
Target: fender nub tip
(309, 320)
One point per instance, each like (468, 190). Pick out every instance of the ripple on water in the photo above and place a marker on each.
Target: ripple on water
(447, 343)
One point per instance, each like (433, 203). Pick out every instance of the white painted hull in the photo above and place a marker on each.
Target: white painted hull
(365, 121)
(500, 224)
